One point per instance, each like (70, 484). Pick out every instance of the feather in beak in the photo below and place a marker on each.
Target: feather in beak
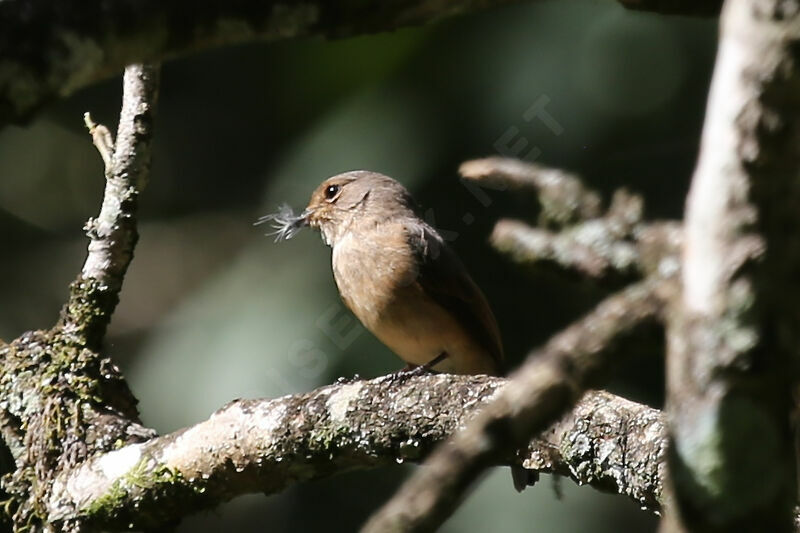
(285, 223)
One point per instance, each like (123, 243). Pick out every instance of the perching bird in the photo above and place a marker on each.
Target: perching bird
(398, 276)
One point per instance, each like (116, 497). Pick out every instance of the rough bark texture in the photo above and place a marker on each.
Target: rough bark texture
(113, 234)
(60, 404)
(60, 400)
(610, 443)
(50, 49)
(733, 335)
(267, 445)
(83, 460)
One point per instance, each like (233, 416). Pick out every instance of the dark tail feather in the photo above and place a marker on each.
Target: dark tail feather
(523, 477)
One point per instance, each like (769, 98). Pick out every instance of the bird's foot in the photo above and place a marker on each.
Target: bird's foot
(417, 370)
(406, 372)
(343, 380)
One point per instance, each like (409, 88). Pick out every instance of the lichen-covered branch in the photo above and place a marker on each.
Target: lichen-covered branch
(60, 400)
(267, 445)
(610, 443)
(94, 295)
(735, 329)
(593, 248)
(50, 50)
(59, 404)
(597, 244)
(548, 384)
(563, 196)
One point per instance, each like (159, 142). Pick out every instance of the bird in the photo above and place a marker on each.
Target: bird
(400, 278)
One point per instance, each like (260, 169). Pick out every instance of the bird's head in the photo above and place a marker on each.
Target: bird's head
(356, 197)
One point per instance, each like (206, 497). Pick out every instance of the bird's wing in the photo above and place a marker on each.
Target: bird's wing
(444, 278)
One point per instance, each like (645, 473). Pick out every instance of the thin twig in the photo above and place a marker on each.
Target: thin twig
(589, 248)
(61, 401)
(563, 196)
(617, 242)
(113, 234)
(102, 140)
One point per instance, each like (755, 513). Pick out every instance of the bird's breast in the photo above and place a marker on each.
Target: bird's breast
(369, 271)
(377, 277)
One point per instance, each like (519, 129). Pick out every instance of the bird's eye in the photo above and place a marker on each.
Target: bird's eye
(331, 191)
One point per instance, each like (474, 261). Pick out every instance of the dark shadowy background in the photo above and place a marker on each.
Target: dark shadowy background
(212, 310)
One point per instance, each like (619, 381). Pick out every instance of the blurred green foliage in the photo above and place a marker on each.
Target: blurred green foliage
(212, 310)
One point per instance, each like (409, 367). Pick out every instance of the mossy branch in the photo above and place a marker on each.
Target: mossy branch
(268, 445)
(60, 400)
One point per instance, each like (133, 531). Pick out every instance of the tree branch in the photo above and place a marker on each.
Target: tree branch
(597, 244)
(95, 294)
(610, 443)
(60, 400)
(563, 196)
(735, 329)
(48, 50)
(555, 376)
(267, 445)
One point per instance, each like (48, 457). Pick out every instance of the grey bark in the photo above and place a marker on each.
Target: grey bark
(267, 445)
(61, 401)
(83, 460)
(733, 333)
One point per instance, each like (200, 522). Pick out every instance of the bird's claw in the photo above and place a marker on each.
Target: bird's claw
(342, 380)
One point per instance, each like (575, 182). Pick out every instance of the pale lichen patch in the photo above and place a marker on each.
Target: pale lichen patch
(268, 423)
(339, 402)
(117, 463)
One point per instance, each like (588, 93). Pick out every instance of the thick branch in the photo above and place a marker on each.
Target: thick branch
(61, 400)
(48, 50)
(734, 333)
(610, 443)
(267, 445)
(547, 385)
